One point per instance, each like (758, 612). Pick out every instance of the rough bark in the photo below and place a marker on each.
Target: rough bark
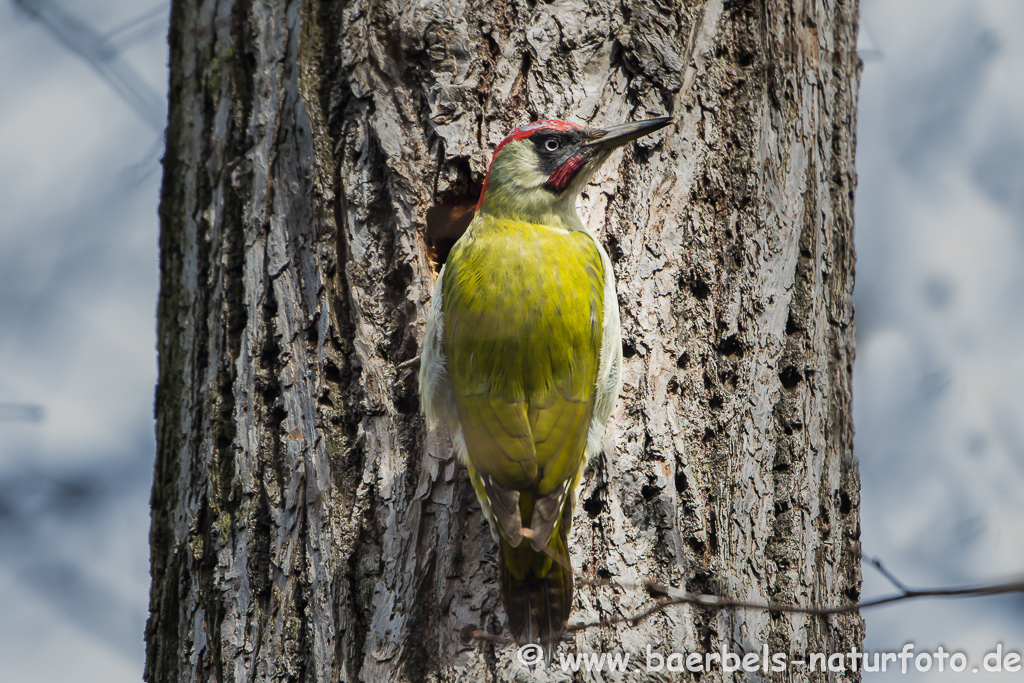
(305, 527)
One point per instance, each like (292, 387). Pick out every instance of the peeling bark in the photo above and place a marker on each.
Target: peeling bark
(319, 160)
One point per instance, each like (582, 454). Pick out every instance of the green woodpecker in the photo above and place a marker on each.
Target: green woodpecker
(521, 357)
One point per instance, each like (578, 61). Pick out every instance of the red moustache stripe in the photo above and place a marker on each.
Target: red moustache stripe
(564, 174)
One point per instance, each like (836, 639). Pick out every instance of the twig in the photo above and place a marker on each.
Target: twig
(671, 597)
(411, 364)
(877, 564)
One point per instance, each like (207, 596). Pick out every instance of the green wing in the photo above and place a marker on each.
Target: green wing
(523, 313)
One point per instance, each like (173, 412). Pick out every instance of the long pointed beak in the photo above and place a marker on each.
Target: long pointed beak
(616, 136)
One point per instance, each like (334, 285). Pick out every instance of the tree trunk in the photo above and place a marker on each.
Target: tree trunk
(320, 157)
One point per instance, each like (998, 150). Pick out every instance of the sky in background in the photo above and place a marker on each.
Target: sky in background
(938, 400)
(938, 403)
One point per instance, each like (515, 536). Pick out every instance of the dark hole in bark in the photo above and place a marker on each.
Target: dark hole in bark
(681, 483)
(730, 346)
(615, 252)
(408, 404)
(700, 581)
(700, 289)
(331, 372)
(682, 361)
(593, 505)
(628, 350)
(845, 505)
(791, 324)
(312, 331)
(713, 532)
(790, 377)
(223, 441)
(446, 221)
(649, 492)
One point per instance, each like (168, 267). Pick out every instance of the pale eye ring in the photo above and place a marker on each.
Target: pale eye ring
(551, 145)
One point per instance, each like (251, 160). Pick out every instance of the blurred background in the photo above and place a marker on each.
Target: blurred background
(938, 398)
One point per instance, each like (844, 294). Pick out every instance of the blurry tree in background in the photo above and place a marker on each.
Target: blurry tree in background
(103, 51)
(318, 155)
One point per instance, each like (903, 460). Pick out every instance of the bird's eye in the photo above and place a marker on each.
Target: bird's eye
(551, 145)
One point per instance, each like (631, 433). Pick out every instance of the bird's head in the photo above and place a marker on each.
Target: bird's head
(537, 172)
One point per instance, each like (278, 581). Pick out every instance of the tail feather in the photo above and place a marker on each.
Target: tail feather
(536, 590)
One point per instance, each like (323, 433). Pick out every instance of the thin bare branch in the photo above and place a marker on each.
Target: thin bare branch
(104, 57)
(668, 597)
(890, 577)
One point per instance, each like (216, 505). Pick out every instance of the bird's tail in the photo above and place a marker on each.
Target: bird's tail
(536, 589)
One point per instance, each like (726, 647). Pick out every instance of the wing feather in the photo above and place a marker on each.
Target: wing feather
(524, 333)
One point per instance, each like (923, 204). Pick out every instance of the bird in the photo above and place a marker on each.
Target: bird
(522, 354)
